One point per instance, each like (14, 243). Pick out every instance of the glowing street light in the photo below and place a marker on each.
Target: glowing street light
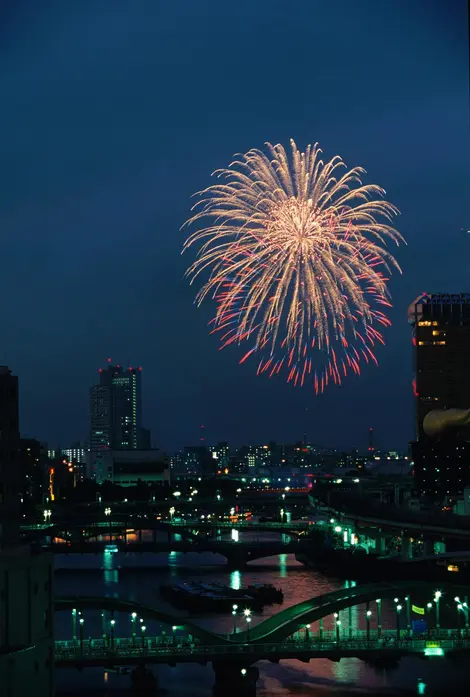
(368, 616)
(398, 608)
(81, 633)
(234, 613)
(177, 494)
(74, 625)
(133, 619)
(143, 630)
(437, 597)
(338, 625)
(112, 623)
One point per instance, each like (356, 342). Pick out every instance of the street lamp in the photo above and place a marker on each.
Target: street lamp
(74, 625)
(462, 607)
(408, 615)
(172, 512)
(81, 633)
(379, 616)
(247, 613)
(142, 629)
(307, 633)
(112, 623)
(338, 625)
(368, 616)
(437, 597)
(234, 613)
(398, 609)
(133, 619)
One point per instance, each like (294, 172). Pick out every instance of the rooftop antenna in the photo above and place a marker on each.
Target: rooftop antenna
(371, 448)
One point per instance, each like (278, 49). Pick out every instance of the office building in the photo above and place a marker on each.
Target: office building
(441, 347)
(115, 417)
(151, 467)
(441, 344)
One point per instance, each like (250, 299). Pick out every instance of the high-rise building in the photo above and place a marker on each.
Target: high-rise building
(441, 341)
(441, 338)
(115, 416)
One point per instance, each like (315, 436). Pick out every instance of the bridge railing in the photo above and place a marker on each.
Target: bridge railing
(140, 525)
(180, 649)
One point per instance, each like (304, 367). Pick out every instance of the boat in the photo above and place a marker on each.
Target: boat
(214, 597)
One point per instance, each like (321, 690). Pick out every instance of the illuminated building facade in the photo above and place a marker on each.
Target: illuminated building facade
(441, 344)
(115, 416)
(441, 339)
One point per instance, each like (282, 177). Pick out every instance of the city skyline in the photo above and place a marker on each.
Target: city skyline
(103, 175)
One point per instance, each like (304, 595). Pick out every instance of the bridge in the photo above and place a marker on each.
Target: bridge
(287, 634)
(121, 523)
(237, 554)
(363, 510)
(276, 628)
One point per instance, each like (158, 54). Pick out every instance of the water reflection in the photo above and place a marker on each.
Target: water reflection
(110, 572)
(319, 678)
(235, 580)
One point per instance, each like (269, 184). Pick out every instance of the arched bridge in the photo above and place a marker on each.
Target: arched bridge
(145, 611)
(276, 628)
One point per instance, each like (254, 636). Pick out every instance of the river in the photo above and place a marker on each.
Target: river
(138, 577)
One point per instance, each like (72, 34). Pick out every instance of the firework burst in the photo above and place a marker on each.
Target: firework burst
(293, 251)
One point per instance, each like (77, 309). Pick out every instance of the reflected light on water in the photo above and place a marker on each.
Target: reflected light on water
(235, 580)
(110, 573)
(283, 565)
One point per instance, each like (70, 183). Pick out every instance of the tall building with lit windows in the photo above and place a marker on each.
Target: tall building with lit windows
(441, 347)
(441, 338)
(115, 416)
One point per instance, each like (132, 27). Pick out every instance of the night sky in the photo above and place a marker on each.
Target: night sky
(114, 112)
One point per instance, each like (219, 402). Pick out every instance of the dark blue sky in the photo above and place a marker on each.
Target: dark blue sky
(115, 112)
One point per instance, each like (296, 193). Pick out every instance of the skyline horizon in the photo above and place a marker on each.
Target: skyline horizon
(128, 112)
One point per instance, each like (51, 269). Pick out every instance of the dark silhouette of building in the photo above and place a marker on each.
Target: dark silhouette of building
(33, 472)
(10, 473)
(26, 578)
(441, 346)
